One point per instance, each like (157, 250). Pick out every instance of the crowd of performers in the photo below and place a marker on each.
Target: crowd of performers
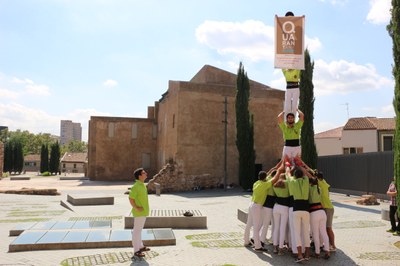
(295, 200)
(291, 197)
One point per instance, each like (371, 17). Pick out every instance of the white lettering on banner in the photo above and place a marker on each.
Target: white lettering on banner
(292, 27)
(288, 37)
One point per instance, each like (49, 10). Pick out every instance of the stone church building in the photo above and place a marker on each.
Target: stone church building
(186, 127)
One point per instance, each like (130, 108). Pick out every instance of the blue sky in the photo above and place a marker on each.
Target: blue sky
(66, 59)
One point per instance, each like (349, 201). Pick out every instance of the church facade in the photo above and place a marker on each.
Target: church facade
(187, 126)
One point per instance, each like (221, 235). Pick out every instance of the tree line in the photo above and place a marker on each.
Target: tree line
(18, 144)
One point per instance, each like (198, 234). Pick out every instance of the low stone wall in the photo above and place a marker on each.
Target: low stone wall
(172, 179)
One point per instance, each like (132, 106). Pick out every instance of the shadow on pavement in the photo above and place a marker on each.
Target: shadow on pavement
(355, 208)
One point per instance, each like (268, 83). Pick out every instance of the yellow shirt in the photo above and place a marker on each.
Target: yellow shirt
(291, 75)
(324, 189)
(260, 189)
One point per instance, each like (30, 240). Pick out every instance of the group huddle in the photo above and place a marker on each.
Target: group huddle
(296, 201)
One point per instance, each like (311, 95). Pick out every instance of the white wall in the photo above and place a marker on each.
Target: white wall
(360, 138)
(328, 146)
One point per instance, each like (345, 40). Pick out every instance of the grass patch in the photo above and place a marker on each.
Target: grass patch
(101, 218)
(34, 213)
(24, 220)
(380, 256)
(107, 259)
(221, 243)
(214, 236)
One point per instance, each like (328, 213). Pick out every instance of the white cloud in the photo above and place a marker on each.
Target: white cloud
(336, 2)
(37, 89)
(17, 116)
(342, 77)
(8, 94)
(16, 87)
(379, 12)
(110, 83)
(388, 110)
(249, 39)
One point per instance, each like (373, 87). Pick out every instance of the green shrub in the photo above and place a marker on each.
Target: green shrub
(46, 174)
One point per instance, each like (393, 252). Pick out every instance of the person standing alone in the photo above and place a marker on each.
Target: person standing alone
(139, 201)
(392, 193)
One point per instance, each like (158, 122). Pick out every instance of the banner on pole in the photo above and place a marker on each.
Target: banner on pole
(289, 42)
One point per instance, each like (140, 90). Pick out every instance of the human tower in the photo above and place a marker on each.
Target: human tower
(291, 196)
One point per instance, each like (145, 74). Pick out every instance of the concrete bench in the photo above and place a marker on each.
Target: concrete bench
(242, 215)
(171, 219)
(20, 178)
(90, 200)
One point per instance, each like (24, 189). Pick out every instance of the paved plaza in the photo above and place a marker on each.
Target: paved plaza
(361, 236)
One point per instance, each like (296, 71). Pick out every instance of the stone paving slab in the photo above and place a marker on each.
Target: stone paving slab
(357, 245)
(86, 239)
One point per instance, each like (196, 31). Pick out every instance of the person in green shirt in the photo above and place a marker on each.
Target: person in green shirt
(291, 136)
(280, 213)
(299, 187)
(260, 188)
(328, 207)
(318, 219)
(267, 209)
(139, 201)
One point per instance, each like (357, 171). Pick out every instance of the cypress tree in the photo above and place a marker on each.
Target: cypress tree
(306, 105)
(44, 159)
(8, 157)
(18, 154)
(244, 130)
(54, 158)
(393, 30)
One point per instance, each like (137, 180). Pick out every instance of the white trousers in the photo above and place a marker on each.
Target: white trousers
(291, 152)
(138, 224)
(318, 229)
(301, 223)
(281, 216)
(291, 101)
(292, 240)
(266, 220)
(253, 219)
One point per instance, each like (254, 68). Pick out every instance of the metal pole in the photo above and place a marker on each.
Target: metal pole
(225, 140)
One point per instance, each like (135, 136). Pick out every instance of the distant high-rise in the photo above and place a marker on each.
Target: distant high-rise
(70, 131)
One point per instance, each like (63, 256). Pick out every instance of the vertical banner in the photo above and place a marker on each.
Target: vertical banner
(289, 42)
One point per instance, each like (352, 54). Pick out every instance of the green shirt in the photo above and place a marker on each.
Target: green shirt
(270, 191)
(291, 75)
(299, 188)
(282, 192)
(260, 189)
(314, 196)
(291, 132)
(139, 194)
(325, 200)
